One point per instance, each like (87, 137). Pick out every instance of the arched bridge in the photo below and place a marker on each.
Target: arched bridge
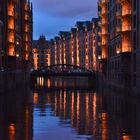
(63, 70)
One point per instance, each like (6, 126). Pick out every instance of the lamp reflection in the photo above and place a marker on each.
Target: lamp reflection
(12, 131)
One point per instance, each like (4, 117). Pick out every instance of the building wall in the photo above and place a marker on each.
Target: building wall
(77, 47)
(41, 53)
(16, 34)
(116, 41)
(1, 24)
(73, 47)
(136, 35)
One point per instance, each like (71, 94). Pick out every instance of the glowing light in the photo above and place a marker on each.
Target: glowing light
(12, 131)
(35, 98)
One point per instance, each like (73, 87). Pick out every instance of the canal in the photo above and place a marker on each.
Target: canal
(51, 111)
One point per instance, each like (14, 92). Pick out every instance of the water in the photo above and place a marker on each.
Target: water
(46, 113)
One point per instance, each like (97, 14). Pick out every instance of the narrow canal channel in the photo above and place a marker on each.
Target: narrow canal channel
(61, 111)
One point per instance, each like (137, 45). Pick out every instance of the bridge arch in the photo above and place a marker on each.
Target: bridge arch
(65, 68)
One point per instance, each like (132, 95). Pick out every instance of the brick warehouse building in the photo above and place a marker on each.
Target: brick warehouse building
(41, 53)
(17, 29)
(78, 47)
(120, 41)
(16, 41)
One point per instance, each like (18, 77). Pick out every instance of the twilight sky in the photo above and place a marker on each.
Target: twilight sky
(52, 16)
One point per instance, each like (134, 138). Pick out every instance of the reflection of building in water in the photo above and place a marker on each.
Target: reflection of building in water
(16, 120)
(107, 116)
(123, 116)
(79, 107)
(63, 82)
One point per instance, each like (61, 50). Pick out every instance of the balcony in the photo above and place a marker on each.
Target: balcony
(11, 38)
(104, 43)
(27, 7)
(11, 50)
(104, 21)
(126, 12)
(26, 17)
(26, 29)
(104, 11)
(11, 24)
(11, 13)
(104, 31)
(10, 10)
(126, 28)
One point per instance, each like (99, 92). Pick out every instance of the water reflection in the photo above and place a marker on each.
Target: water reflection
(101, 115)
(68, 114)
(16, 115)
(62, 82)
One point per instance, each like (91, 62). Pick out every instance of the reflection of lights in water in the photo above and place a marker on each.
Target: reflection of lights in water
(94, 113)
(27, 121)
(72, 109)
(78, 108)
(35, 98)
(65, 102)
(55, 105)
(87, 113)
(64, 85)
(104, 126)
(12, 131)
(40, 81)
(48, 83)
(48, 99)
(60, 101)
(60, 82)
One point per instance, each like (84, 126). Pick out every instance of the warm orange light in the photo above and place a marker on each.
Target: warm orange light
(104, 127)
(26, 17)
(35, 98)
(126, 44)
(11, 23)
(11, 50)
(94, 113)
(10, 9)
(35, 59)
(78, 108)
(12, 131)
(104, 52)
(11, 37)
(126, 137)
(48, 83)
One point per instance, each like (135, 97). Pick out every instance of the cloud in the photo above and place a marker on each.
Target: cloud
(52, 16)
(66, 8)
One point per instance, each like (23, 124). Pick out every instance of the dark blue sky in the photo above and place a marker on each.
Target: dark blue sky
(52, 16)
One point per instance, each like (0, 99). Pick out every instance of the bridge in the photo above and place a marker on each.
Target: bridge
(63, 70)
(57, 76)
